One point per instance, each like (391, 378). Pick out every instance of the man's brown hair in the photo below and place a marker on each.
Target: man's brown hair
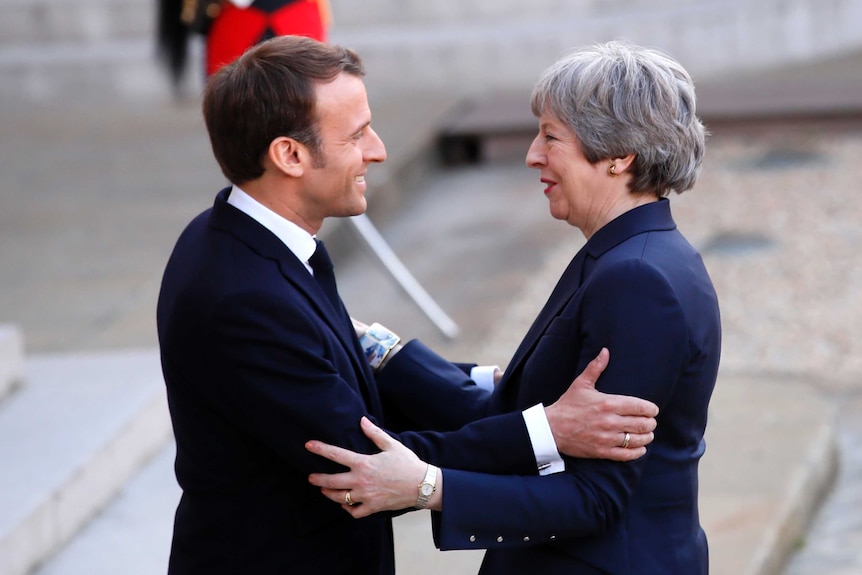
(267, 93)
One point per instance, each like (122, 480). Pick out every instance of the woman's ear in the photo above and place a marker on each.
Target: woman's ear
(288, 156)
(622, 164)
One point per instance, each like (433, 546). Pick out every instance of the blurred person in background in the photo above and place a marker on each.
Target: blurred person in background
(230, 27)
(617, 133)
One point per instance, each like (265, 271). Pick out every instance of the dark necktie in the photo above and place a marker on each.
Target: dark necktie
(322, 267)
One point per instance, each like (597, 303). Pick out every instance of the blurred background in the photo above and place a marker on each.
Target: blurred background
(102, 165)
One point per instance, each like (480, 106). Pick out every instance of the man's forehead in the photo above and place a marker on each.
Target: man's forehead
(343, 101)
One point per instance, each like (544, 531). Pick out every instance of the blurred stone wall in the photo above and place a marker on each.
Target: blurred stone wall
(103, 49)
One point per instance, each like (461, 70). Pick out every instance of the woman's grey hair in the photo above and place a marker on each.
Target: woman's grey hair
(622, 99)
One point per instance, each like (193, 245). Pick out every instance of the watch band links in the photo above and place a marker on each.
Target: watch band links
(427, 487)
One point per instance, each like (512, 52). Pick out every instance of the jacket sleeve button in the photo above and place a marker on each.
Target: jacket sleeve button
(472, 539)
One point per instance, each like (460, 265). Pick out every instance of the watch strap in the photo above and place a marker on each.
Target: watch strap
(377, 342)
(427, 487)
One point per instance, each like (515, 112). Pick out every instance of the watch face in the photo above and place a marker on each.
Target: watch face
(427, 489)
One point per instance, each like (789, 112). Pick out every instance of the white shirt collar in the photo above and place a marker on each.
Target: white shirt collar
(297, 240)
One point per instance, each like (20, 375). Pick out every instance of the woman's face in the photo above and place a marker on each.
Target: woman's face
(576, 189)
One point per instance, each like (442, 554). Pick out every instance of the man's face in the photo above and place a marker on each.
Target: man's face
(335, 184)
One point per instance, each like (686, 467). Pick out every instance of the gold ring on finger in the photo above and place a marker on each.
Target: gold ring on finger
(626, 440)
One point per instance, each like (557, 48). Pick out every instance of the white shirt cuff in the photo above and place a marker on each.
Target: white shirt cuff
(242, 3)
(548, 459)
(483, 375)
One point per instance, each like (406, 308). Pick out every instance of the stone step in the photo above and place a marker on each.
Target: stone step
(99, 72)
(486, 47)
(11, 359)
(132, 535)
(39, 23)
(69, 441)
(406, 12)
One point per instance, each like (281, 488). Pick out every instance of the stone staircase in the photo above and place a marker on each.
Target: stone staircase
(59, 50)
(73, 430)
(55, 50)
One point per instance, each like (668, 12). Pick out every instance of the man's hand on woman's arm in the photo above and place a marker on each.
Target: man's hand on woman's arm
(590, 424)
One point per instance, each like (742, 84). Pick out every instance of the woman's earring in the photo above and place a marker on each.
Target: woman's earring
(613, 170)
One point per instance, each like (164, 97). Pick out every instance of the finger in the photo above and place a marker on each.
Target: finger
(627, 454)
(337, 481)
(358, 511)
(594, 369)
(336, 495)
(643, 407)
(640, 439)
(631, 407)
(343, 456)
(634, 424)
(380, 438)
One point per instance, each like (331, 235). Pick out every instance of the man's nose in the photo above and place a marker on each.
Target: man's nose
(376, 151)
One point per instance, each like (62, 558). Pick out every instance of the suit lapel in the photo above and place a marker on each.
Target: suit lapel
(643, 219)
(267, 245)
(562, 294)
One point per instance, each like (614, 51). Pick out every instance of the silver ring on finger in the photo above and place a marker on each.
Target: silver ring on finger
(626, 440)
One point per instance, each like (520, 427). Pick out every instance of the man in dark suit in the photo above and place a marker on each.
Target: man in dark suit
(259, 354)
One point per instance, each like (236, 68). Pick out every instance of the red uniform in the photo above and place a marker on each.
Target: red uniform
(237, 29)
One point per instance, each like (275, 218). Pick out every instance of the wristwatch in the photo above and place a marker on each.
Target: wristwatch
(377, 343)
(427, 487)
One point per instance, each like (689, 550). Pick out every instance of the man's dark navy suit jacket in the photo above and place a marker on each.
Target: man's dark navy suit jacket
(256, 363)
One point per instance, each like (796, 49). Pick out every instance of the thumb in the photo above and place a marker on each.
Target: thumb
(380, 438)
(594, 369)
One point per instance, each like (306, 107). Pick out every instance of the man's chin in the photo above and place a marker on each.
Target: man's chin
(360, 207)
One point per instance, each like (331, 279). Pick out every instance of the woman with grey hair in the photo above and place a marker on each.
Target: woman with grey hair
(617, 133)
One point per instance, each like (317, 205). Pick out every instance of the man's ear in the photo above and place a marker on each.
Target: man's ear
(288, 156)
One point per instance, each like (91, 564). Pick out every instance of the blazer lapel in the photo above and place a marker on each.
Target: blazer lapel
(267, 245)
(643, 219)
(562, 294)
